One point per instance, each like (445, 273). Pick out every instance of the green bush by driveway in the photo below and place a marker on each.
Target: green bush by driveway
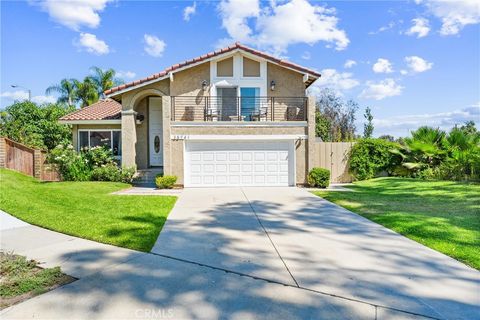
(442, 215)
(86, 209)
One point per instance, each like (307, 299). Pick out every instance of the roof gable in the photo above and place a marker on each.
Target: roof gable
(207, 57)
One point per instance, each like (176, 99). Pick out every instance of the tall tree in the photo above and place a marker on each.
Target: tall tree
(368, 126)
(104, 79)
(338, 115)
(66, 89)
(86, 91)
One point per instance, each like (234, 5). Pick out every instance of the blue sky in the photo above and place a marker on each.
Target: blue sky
(413, 62)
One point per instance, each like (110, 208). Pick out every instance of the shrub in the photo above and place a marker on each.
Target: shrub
(108, 172)
(90, 164)
(111, 172)
(165, 182)
(319, 177)
(127, 174)
(98, 156)
(71, 165)
(370, 157)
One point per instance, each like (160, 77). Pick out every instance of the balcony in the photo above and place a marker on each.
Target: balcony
(239, 109)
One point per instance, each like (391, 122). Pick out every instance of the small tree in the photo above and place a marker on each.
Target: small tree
(322, 127)
(368, 126)
(337, 116)
(34, 125)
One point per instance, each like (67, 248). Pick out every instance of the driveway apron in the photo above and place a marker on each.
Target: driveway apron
(290, 236)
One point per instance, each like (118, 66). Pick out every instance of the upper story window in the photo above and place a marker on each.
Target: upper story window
(225, 68)
(251, 68)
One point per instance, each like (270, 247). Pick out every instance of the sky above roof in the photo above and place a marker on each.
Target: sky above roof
(413, 62)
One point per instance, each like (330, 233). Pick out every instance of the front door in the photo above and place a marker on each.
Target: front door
(155, 131)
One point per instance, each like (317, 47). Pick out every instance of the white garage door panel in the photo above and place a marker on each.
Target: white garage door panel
(252, 163)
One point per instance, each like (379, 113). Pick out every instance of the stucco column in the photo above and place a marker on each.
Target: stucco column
(311, 133)
(129, 138)
(167, 144)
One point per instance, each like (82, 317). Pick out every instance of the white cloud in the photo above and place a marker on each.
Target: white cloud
(417, 64)
(381, 90)
(234, 14)
(331, 78)
(389, 26)
(420, 28)
(153, 45)
(274, 27)
(17, 95)
(382, 66)
(126, 74)
(74, 13)
(44, 99)
(349, 64)
(402, 125)
(92, 44)
(306, 55)
(21, 95)
(454, 14)
(189, 11)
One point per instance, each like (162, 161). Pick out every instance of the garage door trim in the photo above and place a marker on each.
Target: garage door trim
(288, 145)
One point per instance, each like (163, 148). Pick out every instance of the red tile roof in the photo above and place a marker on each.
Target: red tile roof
(209, 55)
(107, 109)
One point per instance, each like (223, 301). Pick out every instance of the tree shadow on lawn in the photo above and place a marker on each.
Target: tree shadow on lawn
(140, 233)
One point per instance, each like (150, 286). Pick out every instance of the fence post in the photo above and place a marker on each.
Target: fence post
(37, 164)
(3, 152)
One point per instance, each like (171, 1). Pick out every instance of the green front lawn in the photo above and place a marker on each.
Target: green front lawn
(442, 215)
(86, 209)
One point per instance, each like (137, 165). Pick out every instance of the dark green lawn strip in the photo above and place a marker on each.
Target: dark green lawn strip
(86, 209)
(22, 279)
(442, 215)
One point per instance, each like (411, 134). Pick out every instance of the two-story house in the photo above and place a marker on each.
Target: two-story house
(236, 116)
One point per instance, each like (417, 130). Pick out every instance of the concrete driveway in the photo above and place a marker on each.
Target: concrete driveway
(292, 237)
(249, 253)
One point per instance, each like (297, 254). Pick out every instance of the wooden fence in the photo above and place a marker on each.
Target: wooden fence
(334, 157)
(32, 162)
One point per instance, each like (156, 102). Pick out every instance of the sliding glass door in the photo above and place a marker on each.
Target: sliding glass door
(249, 102)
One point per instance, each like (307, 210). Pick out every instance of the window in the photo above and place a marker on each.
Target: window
(225, 68)
(111, 139)
(251, 68)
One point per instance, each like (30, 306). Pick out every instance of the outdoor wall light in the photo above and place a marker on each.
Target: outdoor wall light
(204, 85)
(272, 85)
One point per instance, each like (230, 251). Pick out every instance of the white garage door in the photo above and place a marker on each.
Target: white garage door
(247, 163)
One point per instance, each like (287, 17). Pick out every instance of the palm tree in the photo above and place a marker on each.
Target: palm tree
(104, 79)
(86, 91)
(66, 89)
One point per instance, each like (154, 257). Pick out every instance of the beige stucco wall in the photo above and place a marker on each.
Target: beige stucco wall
(288, 83)
(141, 147)
(188, 82)
(76, 127)
(240, 130)
(131, 98)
